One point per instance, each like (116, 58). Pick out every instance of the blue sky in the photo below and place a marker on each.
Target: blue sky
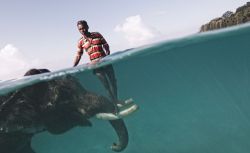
(44, 34)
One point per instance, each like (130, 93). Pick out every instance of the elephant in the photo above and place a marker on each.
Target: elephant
(54, 106)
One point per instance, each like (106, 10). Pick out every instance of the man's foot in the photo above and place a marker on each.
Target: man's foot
(121, 105)
(116, 109)
(125, 103)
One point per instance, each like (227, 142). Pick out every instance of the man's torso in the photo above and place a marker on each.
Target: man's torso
(93, 45)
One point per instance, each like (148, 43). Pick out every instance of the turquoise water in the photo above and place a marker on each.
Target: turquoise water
(193, 93)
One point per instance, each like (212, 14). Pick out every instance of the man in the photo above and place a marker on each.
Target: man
(96, 47)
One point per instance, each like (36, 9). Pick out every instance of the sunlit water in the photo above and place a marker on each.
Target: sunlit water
(193, 93)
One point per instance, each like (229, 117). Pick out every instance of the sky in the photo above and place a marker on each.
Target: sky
(43, 34)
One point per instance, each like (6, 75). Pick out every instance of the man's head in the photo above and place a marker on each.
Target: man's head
(83, 27)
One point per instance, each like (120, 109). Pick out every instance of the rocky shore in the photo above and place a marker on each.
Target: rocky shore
(241, 15)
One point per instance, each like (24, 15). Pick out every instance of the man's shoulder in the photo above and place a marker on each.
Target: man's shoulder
(80, 42)
(96, 34)
(80, 39)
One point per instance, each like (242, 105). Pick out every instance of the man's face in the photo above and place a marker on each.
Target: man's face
(83, 29)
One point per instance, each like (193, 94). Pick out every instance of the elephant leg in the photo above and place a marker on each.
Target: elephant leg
(15, 142)
(26, 148)
(122, 133)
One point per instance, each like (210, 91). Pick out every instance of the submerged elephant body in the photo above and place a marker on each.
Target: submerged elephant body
(55, 106)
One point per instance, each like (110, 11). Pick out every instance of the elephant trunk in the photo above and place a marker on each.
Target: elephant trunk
(122, 133)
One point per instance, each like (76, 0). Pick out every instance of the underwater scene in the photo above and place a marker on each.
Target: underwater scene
(193, 95)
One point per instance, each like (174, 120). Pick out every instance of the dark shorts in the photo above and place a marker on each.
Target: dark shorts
(106, 69)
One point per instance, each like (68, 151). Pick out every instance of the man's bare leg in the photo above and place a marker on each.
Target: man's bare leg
(102, 77)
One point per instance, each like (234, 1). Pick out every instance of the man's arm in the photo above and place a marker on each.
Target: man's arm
(105, 45)
(78, 57)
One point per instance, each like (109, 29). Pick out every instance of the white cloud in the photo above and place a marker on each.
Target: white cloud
(136, 31)
(13, 63)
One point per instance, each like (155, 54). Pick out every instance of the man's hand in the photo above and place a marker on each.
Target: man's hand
(77, 59)
(94, 62)
(106, 47)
